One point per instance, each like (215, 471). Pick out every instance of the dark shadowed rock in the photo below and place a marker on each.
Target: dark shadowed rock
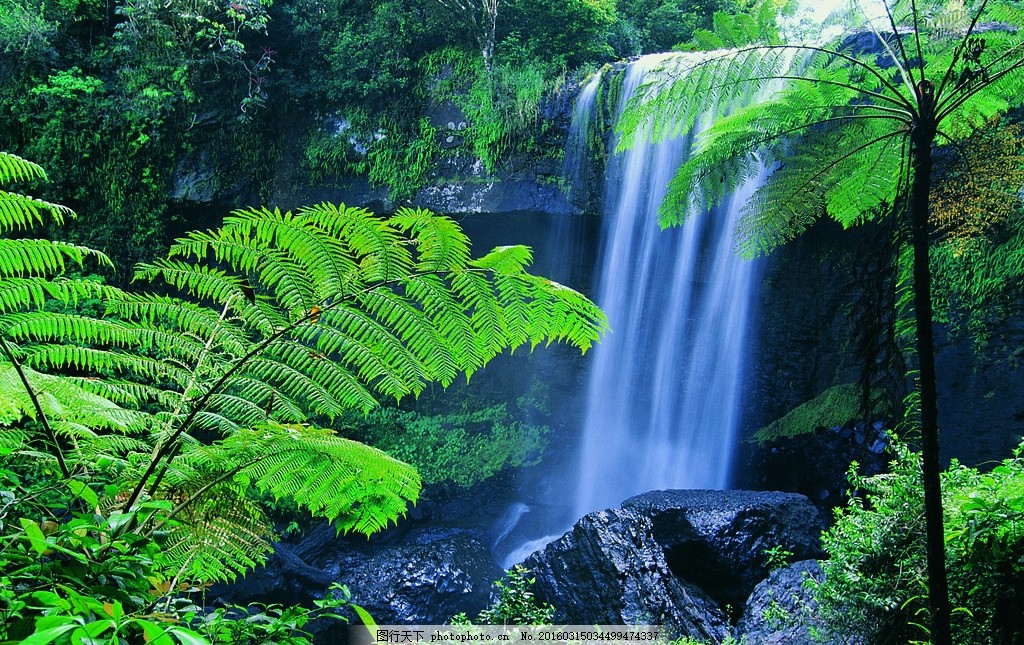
(427, 580)
(672, 557)
(717, 539)
(423, 576)
(609, 570)
(781, 611)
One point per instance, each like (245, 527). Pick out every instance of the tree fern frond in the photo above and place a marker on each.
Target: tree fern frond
(14, 168)
(487, 317)
(18, 294)
(302, 387)
(276, 403)
(440, 243)
(382, 253)
(74, 410)
(357, 487)
(90, 359)
(107, 446)
(181, 317)
(22, 212)
(49, 326)
(11, 439)
(201, 281)
(324, 258)
(448, 315)
(241, 410)
(220, 538)
(414, 330)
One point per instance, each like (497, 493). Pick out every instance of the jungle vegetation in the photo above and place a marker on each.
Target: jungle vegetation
(130, 414)
(139, 106)
(141, 427)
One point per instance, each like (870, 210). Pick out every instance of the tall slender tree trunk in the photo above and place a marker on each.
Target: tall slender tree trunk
(921, 141)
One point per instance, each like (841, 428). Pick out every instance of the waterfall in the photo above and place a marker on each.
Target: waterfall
(577, 149)
(664, 390)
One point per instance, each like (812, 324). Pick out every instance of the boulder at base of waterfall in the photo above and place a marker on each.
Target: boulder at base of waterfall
(609, 570)
(427, 580)
(673, 558)
(425, 576)
(782, 610)
(717, 540)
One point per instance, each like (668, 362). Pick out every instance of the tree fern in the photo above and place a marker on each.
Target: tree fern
(271, 320)
(849, 136)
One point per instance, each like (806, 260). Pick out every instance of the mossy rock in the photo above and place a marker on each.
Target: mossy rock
(835, 406)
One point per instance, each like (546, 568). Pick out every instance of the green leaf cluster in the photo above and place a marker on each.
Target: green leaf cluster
(192, 394)
(463, 449)
(515, 604)
(77, 580)
(874, 584)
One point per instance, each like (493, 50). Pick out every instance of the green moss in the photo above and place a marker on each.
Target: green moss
(462, 448)
(835, 406)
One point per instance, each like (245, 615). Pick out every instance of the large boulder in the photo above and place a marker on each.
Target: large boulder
(425, 576)
(672, 557)
(717, 540)
(609, 570)
(782, 610)
(428, 579)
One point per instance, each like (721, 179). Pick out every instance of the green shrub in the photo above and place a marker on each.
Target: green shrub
(515, 605)
(875, 580)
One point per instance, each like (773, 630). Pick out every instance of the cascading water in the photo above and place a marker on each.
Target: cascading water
(577, 148)
(560, 250)
(663, 396)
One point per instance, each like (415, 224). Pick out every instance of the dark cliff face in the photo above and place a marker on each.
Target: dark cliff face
(809, 326)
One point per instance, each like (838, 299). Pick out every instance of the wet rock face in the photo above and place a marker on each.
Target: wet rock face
(717, 539)
(816, 464)
(781, 611)
(672, 557)
(426, 577)
(609, 570)
(427, 581)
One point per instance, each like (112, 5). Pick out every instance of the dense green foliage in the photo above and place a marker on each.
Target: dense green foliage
(875, 584)
(148, 420)
(979, 262)
(440, 446)
(834, 407)
(142, 106)
(71, 576)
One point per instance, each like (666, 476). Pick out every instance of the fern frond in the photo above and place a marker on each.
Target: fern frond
(19, 294)
(440, 244)
(14, 168)
(357, 487)
(22, 212)
(448, 316)
(413, 330)
(94, 360)
(74, 410)
(381, 252)
(218, 539)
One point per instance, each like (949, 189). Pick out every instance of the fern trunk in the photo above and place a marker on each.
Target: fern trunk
(922, 139)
